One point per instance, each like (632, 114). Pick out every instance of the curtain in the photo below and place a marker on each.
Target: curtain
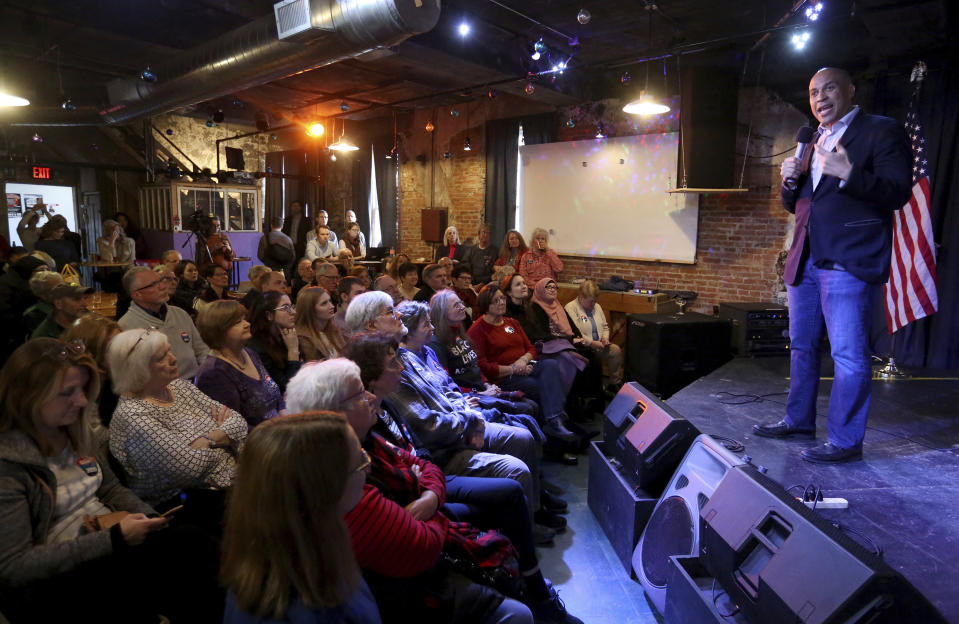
(384, 175)
(933, 341)
(502, 152)
(301, 170)
(274, 189)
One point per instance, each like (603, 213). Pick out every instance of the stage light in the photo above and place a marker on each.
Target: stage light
(147, 75)
(333, 157)
(36, 138)
(344, 106)
(68, 105)
(813, 11)
(539, 49)
(464, 29)
(583, 17)
(429, 126)
(466, 145)
(646, 105)
(315, 129)
(343, 146)
(529, 89)
(9, 99)
(799, 40)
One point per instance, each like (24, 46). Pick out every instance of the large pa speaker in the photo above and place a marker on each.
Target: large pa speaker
(781, 562)
(707, 153)
(673, 529)
(433, 224)
(665, 352)
(623, 411)
(652, 447)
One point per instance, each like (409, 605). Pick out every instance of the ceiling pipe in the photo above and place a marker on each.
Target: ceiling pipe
(253, 55)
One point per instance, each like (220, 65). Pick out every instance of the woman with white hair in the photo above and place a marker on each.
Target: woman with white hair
(170, 438)
(397, 528)
(114, 245)
(374, 311)
(539, 260)
(451, 247)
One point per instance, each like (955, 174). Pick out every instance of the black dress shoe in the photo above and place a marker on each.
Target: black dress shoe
(829, 453)
(552, 503)
(783, 430)
(549, 520)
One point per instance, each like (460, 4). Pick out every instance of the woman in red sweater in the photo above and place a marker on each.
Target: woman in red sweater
(506, 356)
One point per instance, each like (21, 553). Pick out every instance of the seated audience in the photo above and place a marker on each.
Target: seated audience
(374, 311)
(482, 257)
(266, 281)
(217, 286)
(189, 286)
(462, 280)
(394, 263)
(327, 276)
(149, 309)
(253, 275)
(453, 427)
(517, 296)
(170, 437)
(507, 358)
(322, 246)
(487, 502)
(234, 374)
(319, 336)
(304, 277)
(69, 303)
(361, 273)
(588, 317)
(344, 262)
(283, 565)
(452, 248)
(114, 245)
(434, 280)
(95, 332)
(397, 530)
(272, 325)
(387, 284)
(70, 531)
(41, 284)
(539, 261)
(171, 258)
(352, 242)
(513, 247)
(409, 277)
(346, 291)
(15, 298)
(500, 273)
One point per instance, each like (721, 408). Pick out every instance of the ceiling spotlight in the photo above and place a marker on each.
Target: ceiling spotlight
(646, 105)
(332, 157)
(429, 126)
(539, 49)
(218, 116)
(529, 89)
(147, 75)
(813, 11)
(9, 99)
(36, 138)
(584, 16)
(599, 132)
(799, 40)
(344, 106)
(464, 29)
(466, 145)
(68, 105)
(315, 129)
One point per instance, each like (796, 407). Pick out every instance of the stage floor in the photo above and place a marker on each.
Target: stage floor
(903, 494)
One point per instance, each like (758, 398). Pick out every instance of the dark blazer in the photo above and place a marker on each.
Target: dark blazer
(460, 254)
(299, 237)
(852, 226)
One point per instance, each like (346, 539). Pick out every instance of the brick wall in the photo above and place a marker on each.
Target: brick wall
(741, 235)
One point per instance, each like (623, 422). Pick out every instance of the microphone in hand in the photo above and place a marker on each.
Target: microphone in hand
(803, 139)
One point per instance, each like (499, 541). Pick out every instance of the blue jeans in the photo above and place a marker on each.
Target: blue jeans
(840, 303)
(544, 385)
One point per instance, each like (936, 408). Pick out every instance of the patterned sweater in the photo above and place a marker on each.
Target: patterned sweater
(255, 399)
(152, 443)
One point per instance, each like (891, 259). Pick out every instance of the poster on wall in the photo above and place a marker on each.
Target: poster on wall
(14, 207)
(30, 200)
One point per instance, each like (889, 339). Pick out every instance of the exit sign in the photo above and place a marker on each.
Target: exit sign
(41, 173)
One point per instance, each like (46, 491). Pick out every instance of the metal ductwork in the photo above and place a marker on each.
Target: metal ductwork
(253, 55)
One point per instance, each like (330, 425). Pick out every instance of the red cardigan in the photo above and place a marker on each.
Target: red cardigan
(386, 538)
(497, 346)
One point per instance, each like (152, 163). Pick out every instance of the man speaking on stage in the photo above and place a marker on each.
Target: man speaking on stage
(843, 193)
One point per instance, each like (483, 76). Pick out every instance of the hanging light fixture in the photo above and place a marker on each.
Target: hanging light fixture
(392, 152)
(647, 104)
(8, 96)
(466, 143)
(341, 144)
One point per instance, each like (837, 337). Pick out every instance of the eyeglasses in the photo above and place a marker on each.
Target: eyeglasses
(289, 308)
(151, 284)
(149, 331)
(551, 287)
(359, 396)
(64, 350)
(365, 463)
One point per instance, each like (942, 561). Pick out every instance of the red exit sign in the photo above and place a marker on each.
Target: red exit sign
(41, 173)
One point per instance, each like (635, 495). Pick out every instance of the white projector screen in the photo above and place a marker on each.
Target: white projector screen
(607, 198)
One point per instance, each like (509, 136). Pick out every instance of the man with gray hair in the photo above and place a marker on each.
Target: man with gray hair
(374, 311)
(385, 283)
(69, 303)
(149, 308)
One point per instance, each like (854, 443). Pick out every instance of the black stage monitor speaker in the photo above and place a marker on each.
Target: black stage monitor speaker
(782, 562)
(665, 352)
(652, 446)
(707, 153)
(673, 529)
(623, 411)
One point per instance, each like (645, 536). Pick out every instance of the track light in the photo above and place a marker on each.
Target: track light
(813, 11)
(466, 145)
(799, 40)
(315, 129)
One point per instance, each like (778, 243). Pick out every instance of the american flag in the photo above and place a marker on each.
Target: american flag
(911, 290)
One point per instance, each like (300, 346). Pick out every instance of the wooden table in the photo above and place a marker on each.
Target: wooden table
(617, 305)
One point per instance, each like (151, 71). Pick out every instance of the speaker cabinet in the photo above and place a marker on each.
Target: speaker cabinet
(623, 411)
(673, 529)
(709, 105)
(653, 445)
(782, 562)
(433, 224)
(666, 352)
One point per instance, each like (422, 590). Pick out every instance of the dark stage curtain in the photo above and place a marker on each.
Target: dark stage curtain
(304, 168)
(386, 191)
(934, 341)
(501, 155)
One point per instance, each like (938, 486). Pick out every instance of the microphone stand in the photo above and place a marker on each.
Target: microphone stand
(890, 371)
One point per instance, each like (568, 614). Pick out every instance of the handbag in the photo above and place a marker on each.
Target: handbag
(70, 275)
(484, 557)
(103, 522)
